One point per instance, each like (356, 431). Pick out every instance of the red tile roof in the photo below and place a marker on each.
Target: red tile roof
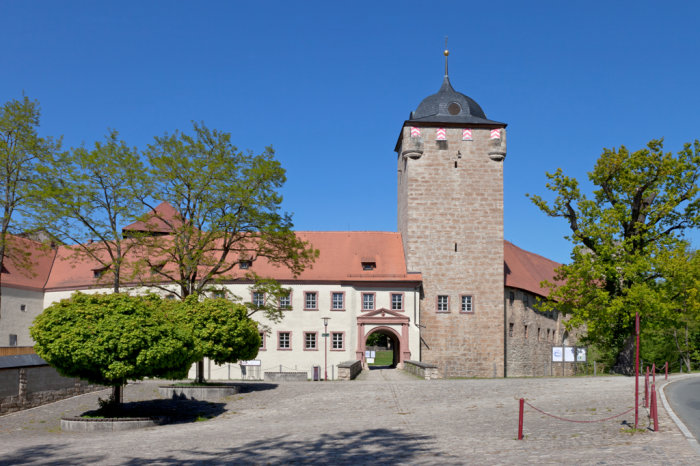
(526, 270)
(340, 260)
(154, 221)
(32, 269)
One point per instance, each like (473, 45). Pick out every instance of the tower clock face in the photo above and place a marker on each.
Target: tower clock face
(454, 108)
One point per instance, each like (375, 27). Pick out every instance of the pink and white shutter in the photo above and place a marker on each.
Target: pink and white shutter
(415, 132)
(441, 134)
(496, 133)
(466, 134)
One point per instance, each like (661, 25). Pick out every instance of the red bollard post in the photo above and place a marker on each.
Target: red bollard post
(646, 389)
(654, 411)
(636, 371)
(520, 419)
(653, 372)
(666, 369)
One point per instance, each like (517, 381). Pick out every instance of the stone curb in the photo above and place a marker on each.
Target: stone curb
(76, 424)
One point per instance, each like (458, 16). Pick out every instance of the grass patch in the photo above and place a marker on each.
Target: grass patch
(383, 358)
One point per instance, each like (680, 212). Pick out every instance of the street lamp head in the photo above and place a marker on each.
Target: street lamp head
(325, 321)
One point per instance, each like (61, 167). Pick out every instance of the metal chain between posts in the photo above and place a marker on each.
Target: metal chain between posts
(575, 420)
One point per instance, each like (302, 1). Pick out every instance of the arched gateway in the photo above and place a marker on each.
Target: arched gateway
(391, 323)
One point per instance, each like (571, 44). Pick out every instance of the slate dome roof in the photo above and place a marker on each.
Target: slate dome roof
(450, 106)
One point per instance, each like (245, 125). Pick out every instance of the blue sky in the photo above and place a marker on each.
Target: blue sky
(329, 84)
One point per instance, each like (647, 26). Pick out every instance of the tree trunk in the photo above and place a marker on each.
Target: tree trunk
(117, 397)
(624, 363)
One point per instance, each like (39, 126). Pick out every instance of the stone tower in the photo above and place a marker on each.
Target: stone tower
(450, 216)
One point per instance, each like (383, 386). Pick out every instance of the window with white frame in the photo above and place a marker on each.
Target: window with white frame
(337, 341)
(397, 302)
(467, 303)
(337, 301)
(367, 301)
(310, 341)
(262, 340)
(310, 300)
(258, 299)
(286, 301)
(284, 340)
(443, 303)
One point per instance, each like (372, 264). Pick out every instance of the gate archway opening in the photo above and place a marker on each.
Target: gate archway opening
(384, 339)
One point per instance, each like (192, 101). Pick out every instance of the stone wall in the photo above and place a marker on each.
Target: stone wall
(422, 370)
(450, 215)
(530, 336)
(29, 386)
(286, 377)
(349, 370)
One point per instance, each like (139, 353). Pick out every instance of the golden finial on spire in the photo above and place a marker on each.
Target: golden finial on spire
(447, 53)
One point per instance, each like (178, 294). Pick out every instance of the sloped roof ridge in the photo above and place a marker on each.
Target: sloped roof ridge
(530, 253)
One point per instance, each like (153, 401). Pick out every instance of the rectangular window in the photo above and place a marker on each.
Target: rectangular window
(526, 331)
(526, 300)
(367, 301)
(244, 264)
(338, 301)
(286, 301)
(547, 334)
(23, 307)
(310, 300)
(258, 299)
(337, 341)
(13, 339)
(218, 294)
(443, 303)
(467, 303)
(310, 341)
(396, 302)
(284, 340)
(262, 341)
(511, 297)
(538, 334)
(510, 330)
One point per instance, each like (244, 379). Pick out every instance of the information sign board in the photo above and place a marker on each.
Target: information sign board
(557, 354)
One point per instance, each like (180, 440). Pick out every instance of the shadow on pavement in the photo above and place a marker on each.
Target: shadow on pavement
(179, 411)
(43, 454)
(371, 446)
(377, 368)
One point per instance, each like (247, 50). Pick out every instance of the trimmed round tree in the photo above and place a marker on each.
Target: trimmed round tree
(222, 330)
(109, 339)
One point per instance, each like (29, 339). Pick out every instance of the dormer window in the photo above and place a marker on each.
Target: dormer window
(245, 265)
(369, 265)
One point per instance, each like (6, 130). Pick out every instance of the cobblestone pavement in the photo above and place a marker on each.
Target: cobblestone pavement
(408, 421)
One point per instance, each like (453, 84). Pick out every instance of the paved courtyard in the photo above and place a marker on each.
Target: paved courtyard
(386, 417)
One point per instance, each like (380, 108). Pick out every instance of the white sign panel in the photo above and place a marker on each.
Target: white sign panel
(581, 354)
(557, 354)
(255, 362)
(569, 354)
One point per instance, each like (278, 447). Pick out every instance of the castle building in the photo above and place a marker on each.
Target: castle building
(445, 289)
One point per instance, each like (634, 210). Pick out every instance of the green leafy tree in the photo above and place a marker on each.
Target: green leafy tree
(675, 333)
(622, 237)
(84, 196)
(221, 329)
(112, 338)
(226, 210)
(21, 151)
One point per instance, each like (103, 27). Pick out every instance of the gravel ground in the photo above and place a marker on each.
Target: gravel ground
(386, 417)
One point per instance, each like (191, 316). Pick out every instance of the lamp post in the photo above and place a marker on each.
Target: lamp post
(325, 347)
